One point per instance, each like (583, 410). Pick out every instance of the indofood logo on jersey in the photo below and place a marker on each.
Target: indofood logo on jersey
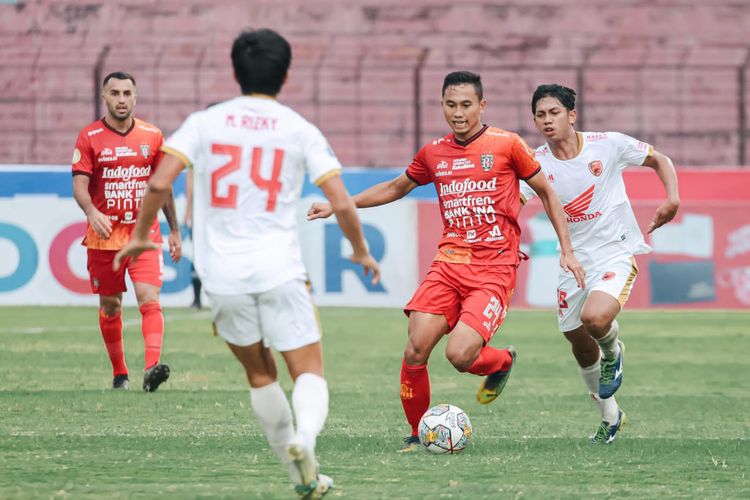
(460, 188)
(126, 173)
(576, 209)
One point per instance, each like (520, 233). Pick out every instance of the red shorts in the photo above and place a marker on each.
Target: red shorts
(477, 295)
(147, 268)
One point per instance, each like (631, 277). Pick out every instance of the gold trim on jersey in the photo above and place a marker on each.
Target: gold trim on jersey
(649, 154)
(320, 180)
(580, 142)
(625, 293)
(184, 159)
(308, 285)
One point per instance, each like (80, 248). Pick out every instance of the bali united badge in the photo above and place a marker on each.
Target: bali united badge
(487, 162)
(145, 150)
(596, 167)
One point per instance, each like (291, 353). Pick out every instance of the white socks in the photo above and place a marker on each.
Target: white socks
(310, 402)
(608, 407)
(608, 344)
(275, 418)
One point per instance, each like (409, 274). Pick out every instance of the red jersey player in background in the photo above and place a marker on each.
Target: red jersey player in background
(112, 162)
(468, 288)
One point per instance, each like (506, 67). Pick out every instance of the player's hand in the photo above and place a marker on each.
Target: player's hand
(370, 264)
(100, 223)
(133, 249)
(319, 211)
(664, 214)
(570, 263)
(175, 245)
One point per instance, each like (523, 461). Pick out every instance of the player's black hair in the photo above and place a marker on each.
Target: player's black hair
(565, 95)
(118, 75)
(261, 59)
(459, 77)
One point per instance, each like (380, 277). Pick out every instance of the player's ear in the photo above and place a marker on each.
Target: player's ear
(482, 105)
(572, 116)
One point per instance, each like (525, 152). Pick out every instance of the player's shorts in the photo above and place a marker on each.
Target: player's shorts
(615, 278)
(284, 318)
(475, 294)
(147, 268)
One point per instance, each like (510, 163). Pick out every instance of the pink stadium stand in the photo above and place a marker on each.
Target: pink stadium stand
(369, 74)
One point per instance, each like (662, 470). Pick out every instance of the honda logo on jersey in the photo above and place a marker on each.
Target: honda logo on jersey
(577, 208)
(596, 167)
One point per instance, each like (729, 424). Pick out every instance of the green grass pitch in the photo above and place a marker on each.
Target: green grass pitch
(64, 434)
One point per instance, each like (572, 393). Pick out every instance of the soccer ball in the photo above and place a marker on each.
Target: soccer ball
(444, 429)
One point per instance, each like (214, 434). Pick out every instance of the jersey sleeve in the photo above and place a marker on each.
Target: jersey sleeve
(184, 143)
(159, 151)
(522, 159)
(83, 157)
(630, 151)
(418, 171)
(320, 160)
(526, 192)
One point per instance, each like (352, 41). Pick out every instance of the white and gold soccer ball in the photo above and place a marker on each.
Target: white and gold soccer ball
(445, 429)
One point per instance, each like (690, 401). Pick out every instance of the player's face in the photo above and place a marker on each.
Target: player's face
(119, 97)
(553, 119)
(463, 110)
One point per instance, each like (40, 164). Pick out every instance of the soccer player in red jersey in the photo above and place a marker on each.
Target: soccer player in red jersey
(475, 170)
(112, 162)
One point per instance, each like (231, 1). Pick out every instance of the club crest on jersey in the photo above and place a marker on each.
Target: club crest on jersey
(145, 150)
(487, 162)
(596, 167)
(608, 276)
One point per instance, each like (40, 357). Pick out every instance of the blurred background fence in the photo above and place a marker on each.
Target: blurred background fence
(671, 72)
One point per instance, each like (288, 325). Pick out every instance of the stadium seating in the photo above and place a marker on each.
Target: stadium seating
(369, 74)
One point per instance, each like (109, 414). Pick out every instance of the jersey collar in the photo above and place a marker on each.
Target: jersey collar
(132, 126)
(472, 138)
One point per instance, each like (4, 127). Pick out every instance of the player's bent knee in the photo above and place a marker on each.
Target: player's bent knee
(110, 306)
(596, 323)
(415, 356)
(461, 359)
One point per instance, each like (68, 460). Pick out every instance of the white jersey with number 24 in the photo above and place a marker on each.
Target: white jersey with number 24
(249, 156)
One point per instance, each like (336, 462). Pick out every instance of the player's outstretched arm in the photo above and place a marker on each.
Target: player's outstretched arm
(159, 187)
(664, 168)
(554, 210)
(374, 196)
(346, 215)
(174, 240)
(97, 220)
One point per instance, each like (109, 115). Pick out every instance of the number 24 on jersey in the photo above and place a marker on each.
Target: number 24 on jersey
(271, 185)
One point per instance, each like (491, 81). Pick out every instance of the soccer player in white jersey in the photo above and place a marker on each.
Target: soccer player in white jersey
(585, 169)
(249, 156)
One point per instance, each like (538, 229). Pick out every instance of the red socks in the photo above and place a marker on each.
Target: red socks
(111, 327)
(491, 360)
(415, 393)
(152, 327)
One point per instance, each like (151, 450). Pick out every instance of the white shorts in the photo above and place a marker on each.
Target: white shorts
(615, 278)
(284, 318)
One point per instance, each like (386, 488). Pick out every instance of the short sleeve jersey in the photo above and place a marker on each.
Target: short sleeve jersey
(478, 197)
(591, 189)
(119, 166)
(249, 156)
